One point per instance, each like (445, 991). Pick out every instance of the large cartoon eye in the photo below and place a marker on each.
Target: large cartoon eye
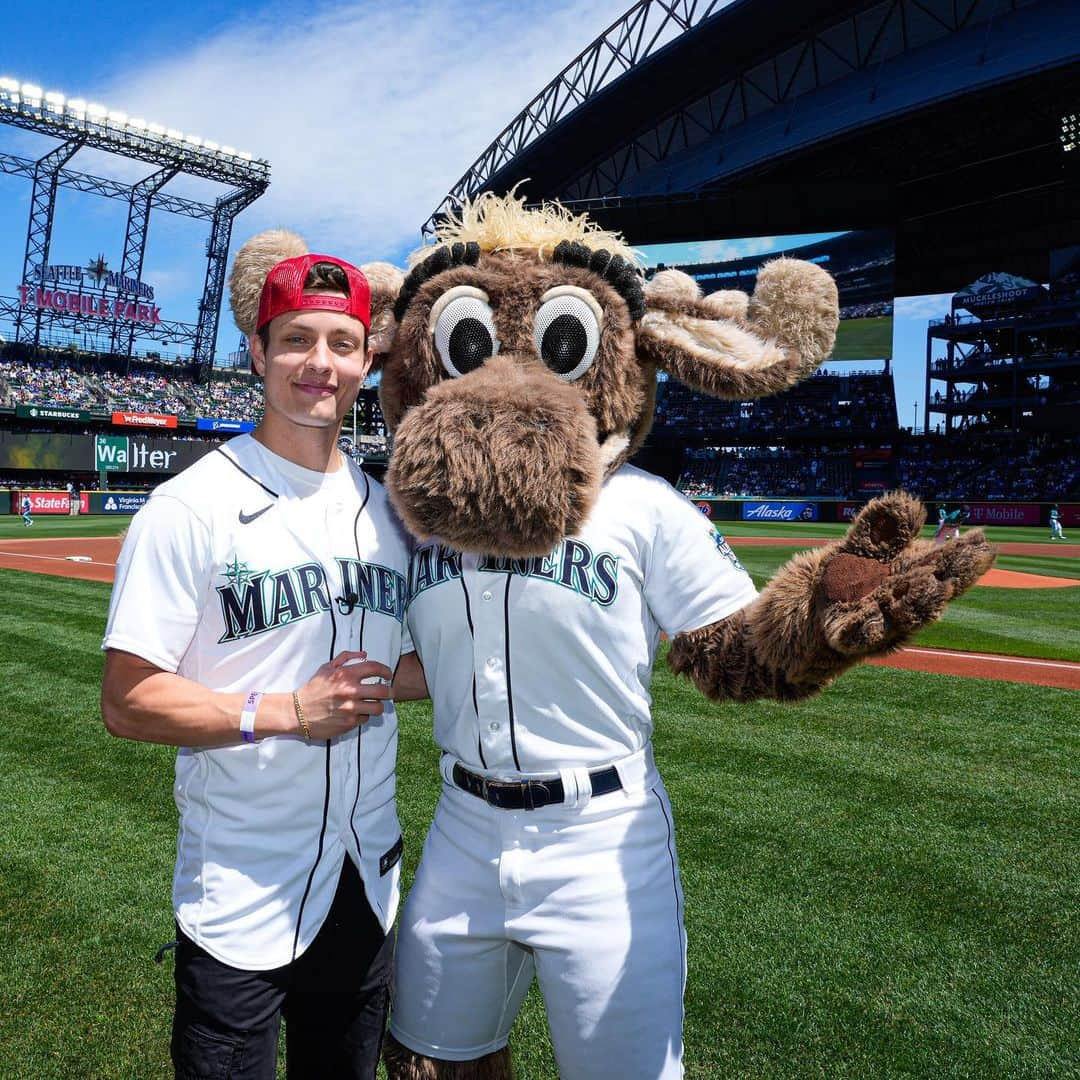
(464, 329)
(567, 330)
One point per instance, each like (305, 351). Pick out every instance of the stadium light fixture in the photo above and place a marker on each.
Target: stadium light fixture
(155, 129)
(243, 155)
(10, 85)
(116, 117)
(193, 140)
(230, 150)
(1070, 132)
(30, 92)
(98, 112)
(172, 133)
(138, 125)
(55, 99)
(208, 145)
(77, 108)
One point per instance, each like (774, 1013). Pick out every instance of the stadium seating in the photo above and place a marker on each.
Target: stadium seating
(56, 380)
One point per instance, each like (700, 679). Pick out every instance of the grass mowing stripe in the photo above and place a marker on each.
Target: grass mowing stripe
(1037, 623)
(1047, 565)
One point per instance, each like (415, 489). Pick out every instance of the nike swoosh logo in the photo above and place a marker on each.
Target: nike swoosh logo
(247, 519)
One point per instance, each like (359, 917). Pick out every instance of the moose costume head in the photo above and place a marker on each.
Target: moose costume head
(520, 355)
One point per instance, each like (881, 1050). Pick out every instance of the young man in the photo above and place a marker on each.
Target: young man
(256, 621)
(27, 507)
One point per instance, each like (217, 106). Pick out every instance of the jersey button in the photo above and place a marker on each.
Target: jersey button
(493, 726)
(492, 662)
(486, 594)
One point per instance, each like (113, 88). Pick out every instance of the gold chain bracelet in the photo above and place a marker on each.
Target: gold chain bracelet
(302, 720)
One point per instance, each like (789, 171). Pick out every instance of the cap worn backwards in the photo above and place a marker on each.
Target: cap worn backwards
(284, 291)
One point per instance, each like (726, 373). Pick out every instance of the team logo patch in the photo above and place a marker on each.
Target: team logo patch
(725, 549)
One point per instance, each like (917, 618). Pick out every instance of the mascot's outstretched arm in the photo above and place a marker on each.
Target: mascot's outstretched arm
(832, 606)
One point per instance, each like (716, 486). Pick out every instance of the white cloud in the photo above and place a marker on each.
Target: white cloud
(929, 306)
(368, 113)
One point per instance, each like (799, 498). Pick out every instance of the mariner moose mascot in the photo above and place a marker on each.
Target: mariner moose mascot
(519, 365)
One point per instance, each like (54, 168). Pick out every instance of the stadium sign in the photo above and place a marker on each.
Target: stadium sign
(118, 453)
(209, 423)
(996, 291)
(123, 502)
(49, 412)
(138, 419)
(49, 502)
(80, 303)
(96, 271)
(779, 511)
(994, 513)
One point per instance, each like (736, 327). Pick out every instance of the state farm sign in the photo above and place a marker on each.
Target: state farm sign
(52, 502)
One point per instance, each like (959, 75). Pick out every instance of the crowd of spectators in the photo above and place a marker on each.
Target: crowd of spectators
(861, 402)
(991, 465)
(46, 382)
(741, 471)
(55, 381)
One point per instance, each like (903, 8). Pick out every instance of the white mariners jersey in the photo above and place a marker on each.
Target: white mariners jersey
(247, 572)
(540, 664)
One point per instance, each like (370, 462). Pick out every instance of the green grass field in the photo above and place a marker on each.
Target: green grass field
(881, 882)
(864, 339)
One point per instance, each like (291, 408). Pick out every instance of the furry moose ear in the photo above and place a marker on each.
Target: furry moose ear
(386, 281)
(252, 264)
(738, 347)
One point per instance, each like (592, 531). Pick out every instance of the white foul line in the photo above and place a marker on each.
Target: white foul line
(53, 558)
(1067, 665)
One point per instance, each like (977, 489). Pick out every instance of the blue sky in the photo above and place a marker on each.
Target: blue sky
(368, 113)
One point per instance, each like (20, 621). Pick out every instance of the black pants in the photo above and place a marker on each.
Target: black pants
(334, 998)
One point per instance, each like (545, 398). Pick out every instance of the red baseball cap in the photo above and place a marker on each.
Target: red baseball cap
(284, 291)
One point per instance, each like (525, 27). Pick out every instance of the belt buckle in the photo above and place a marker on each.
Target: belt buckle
(527, 795)
(484, 790)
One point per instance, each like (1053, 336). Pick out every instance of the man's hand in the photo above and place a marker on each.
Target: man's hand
(343, 693)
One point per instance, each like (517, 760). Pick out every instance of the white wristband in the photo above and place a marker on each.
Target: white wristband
(247, 716)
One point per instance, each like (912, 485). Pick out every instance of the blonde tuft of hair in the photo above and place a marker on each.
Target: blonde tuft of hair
(502, 223)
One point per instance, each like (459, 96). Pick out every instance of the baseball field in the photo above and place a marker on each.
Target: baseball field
(883, 881)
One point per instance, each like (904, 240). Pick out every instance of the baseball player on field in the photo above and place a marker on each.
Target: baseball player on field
(519, 377)
(27, 509)
(1056, 532)
(256, 621)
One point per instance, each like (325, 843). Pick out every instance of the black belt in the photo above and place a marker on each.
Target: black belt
(529, 794)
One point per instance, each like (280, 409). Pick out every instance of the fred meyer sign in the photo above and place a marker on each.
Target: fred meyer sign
(121, 453)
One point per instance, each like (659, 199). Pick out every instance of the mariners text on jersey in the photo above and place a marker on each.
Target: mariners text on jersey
(252, 603)
(572, 564)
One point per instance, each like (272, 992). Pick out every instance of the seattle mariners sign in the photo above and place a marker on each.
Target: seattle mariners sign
(62, 288)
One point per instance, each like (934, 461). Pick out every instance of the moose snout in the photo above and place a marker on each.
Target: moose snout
(503, 460)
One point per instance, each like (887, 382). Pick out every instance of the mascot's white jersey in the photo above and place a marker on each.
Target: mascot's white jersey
(540, 664)
(247, 572)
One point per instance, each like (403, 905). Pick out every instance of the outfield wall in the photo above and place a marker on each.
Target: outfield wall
(99, 453)
(46, 502)
(796, 511)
